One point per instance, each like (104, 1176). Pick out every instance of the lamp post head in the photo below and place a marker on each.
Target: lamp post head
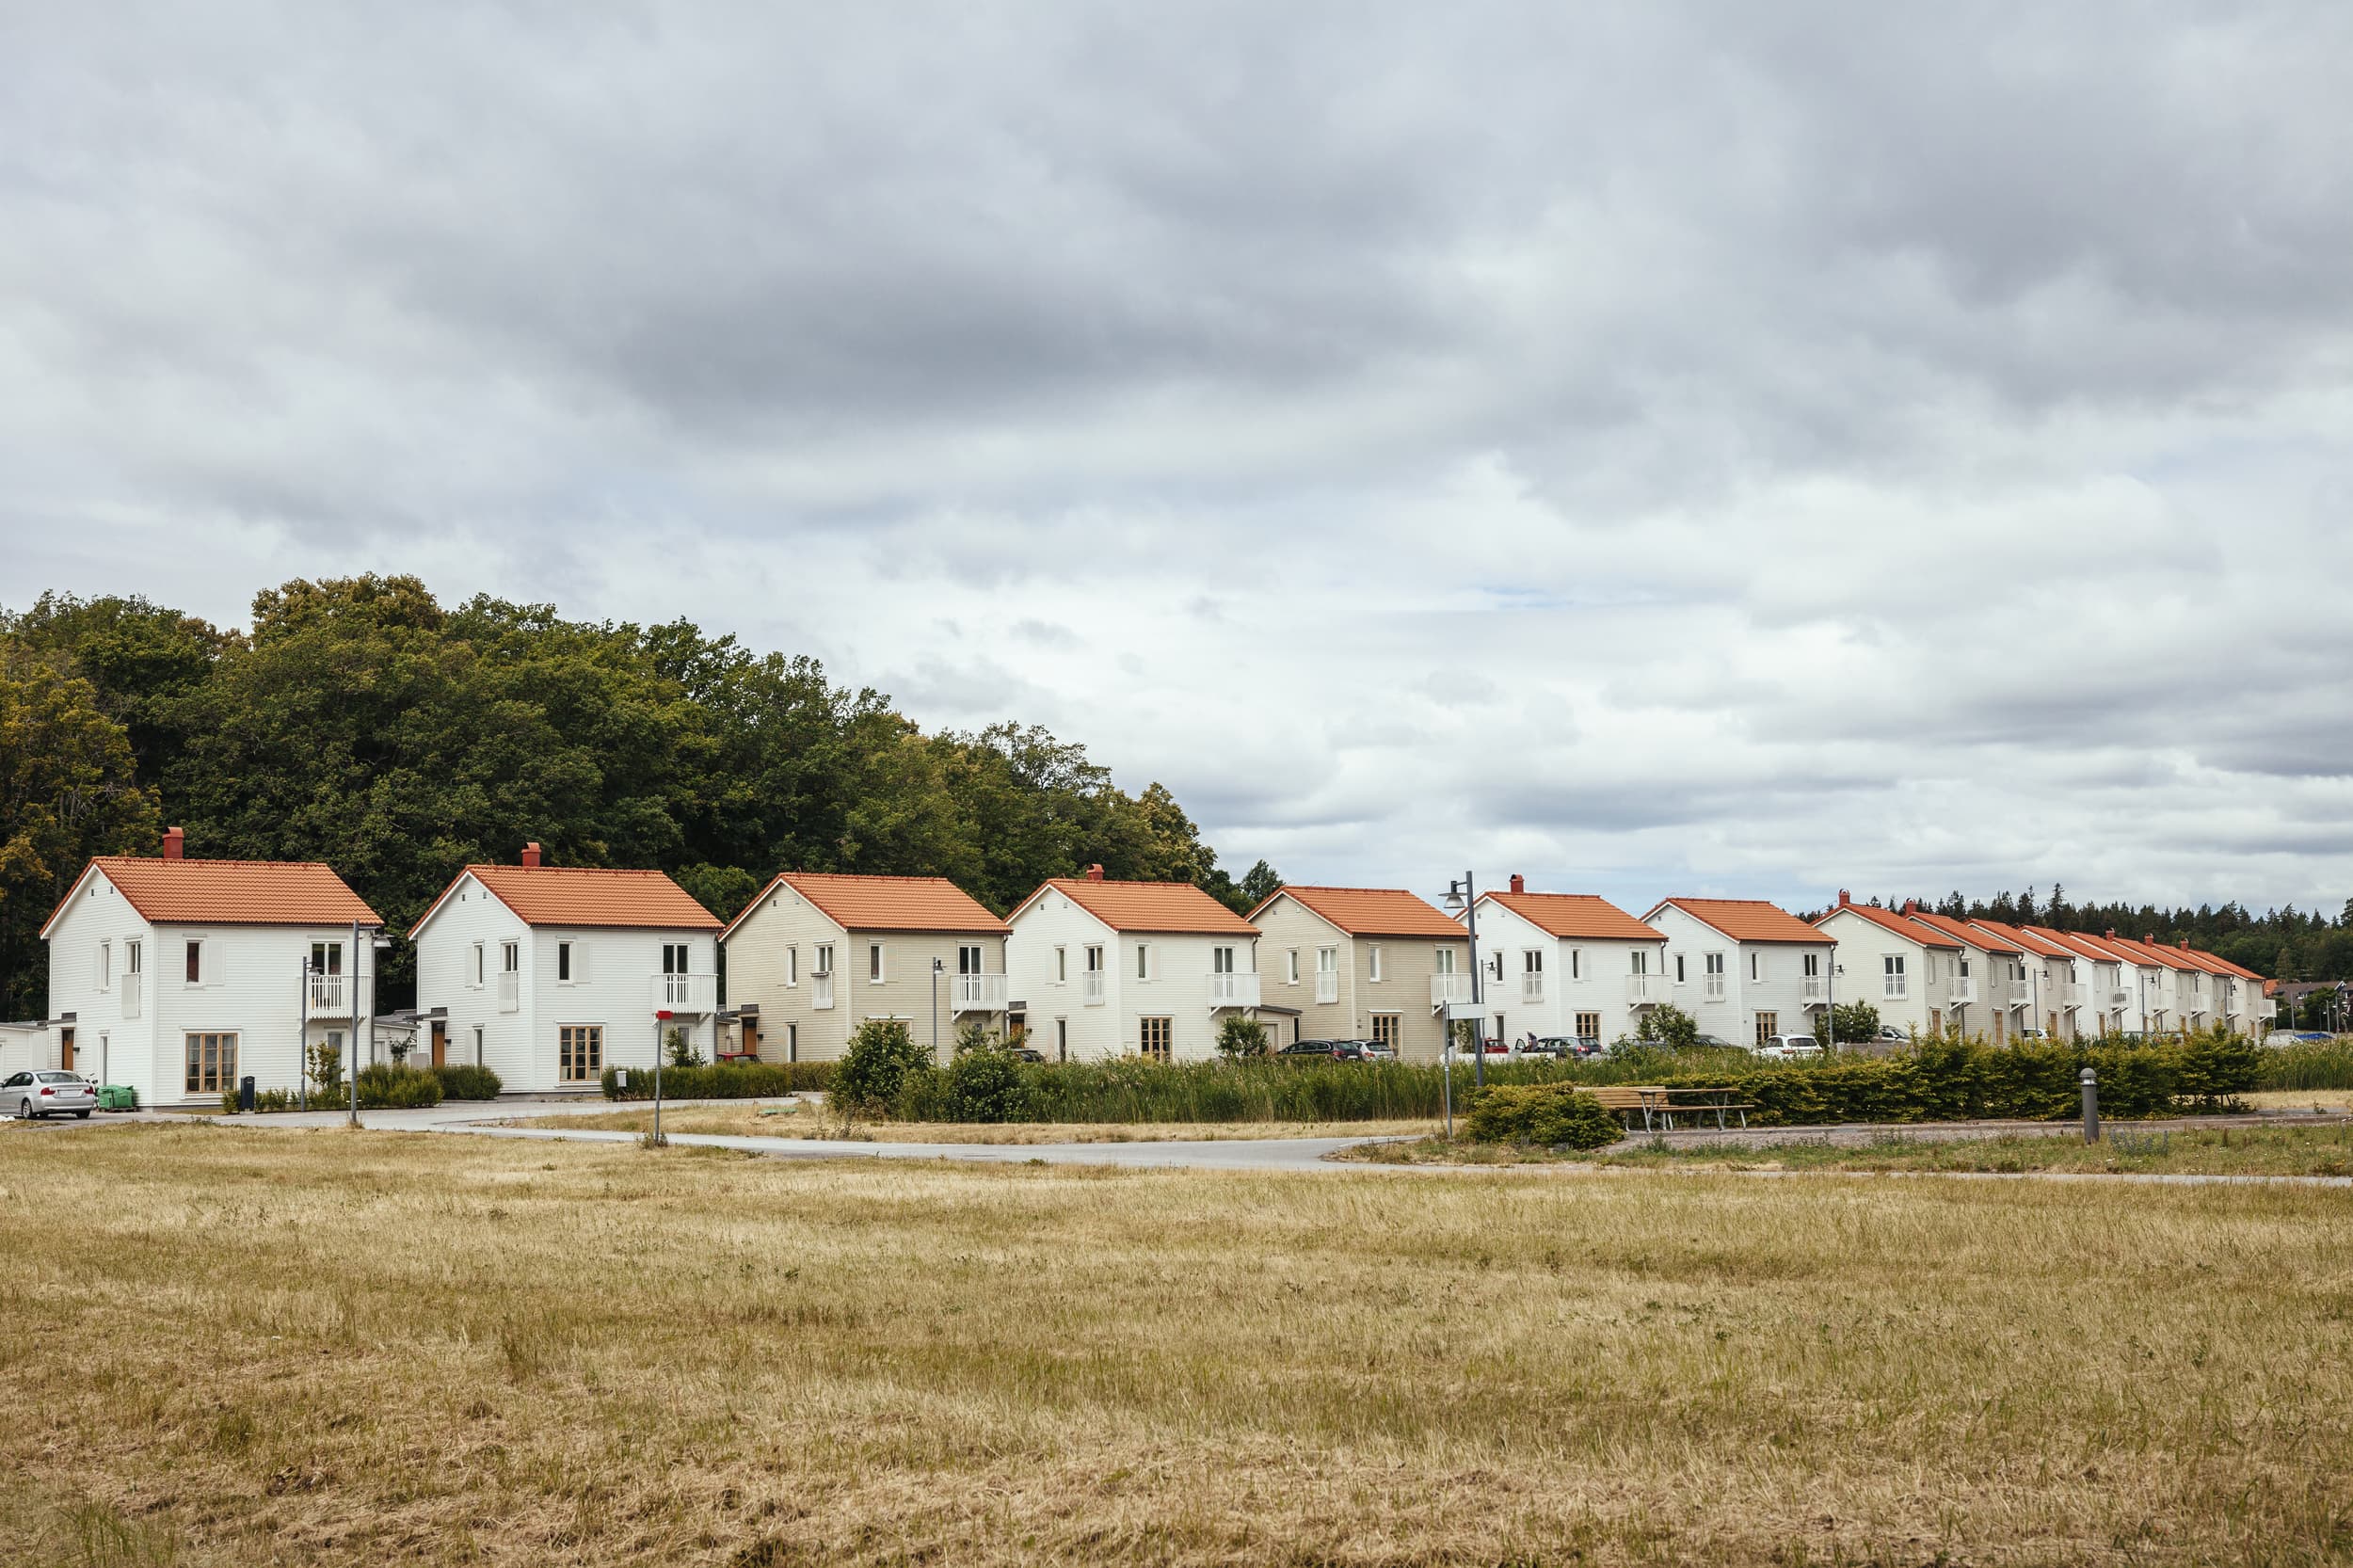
(1454, 895)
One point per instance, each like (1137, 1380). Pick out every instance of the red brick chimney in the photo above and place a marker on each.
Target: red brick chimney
(531, 854)
(175, 844)
(2184, 941)
(1845, 898)
(1911, 906)
(2149, 939)
(1094, 872)
(1519, 882)
(2111, 933)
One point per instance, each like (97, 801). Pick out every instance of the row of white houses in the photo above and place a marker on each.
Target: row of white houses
(180, 977)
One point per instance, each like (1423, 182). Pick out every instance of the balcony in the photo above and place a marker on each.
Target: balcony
(1090, 989)
(1964, 992)
(1448, 989)
(1531, 987)
(511, 991)
(685, 993)
(1812, 990)
(977, 993)
(1894, 987)
(2120, 997)
(2065, 993)
(821, 990)
(1645, 990)
(1233, 990)
(1327, 985)
(132, 999)
(329, 998)
(1714, 990)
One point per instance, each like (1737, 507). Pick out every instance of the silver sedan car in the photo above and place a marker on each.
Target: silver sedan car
(48, 1094)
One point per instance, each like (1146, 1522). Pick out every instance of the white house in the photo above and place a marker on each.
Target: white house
(179, 977)
(1569, 964)
(815, 955)
(1361, 963)
(1905, 969)
(2108, 983)
(550, 975)
(2048, 998)
(1099, 969)
(1990, 997)
(1743, 967)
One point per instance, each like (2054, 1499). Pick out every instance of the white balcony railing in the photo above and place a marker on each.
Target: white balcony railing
(510, 991)
(132, 1002)
(1813, 988)
(2120, 997)
(821, 989)
(1894, 987)
(685, 993)
(1642, 990)
(1446, 989)
(1964, 992)
(1091, 988)
(1327, 985)
(2065, 993)
(978, 993)
(1532, 988)
(329, 998)
(1714, 991)
(1233, 990)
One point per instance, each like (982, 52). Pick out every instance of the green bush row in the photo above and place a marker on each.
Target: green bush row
(1558, 1114)
(2309, 1064)
(384, 1086)
(468, 1083)
(723, 1080)
(1951, 1079)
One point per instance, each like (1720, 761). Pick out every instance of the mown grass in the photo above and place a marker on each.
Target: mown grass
(365, 1347)
(2326, 1151)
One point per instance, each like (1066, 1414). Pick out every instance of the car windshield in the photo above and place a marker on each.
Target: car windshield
(58, 1077)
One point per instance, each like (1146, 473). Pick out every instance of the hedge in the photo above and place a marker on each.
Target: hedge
(384, 1086)
(722, 1081)
(467, 1082)
(1558, 1114)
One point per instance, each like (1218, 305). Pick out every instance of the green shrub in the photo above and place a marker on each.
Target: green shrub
(984, 1084)
(468, 1083)
(1853, 1022)
(723, 1080)
(1240, 1039)
(1668, 1025)
(1559, 1115)
(386, 1086)
(882, 1052)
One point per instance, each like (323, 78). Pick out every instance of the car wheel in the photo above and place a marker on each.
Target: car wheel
(81, 1115)
(24, 1111)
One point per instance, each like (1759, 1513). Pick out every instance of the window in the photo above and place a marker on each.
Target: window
(1767, 1025)
(1589, 1026)
(1291, 966)
(327, 958)
(1386, 1029)
(823, 967)
(511, 957)
(1221, 960)
(1713, 966)
(1678, 968)
(105, 966)
(674, 958)
(1495, 966)
(969, 958)
(212, 1062)
(478, 1035)
(792, 966)
(1892, 983)
(564, 962)
(579, 1053)
(791, 1042)
(1062, 966)
(1752, 963)
(1372, 959)
(1095, 960)
(1143, 961)
(1062, 1039)
(1157, 1035)
(874, 963)
(1640, 959)
(1814, 966)
(196, 964)
(1531, 974)
(131, 959)
(1445, 961)
(477, 963)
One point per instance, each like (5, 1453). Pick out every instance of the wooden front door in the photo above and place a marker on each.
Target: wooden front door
(751, 1037)
(65, 1049)
(440, 1041)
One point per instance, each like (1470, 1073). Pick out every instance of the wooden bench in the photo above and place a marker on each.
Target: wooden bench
(1623, 1098)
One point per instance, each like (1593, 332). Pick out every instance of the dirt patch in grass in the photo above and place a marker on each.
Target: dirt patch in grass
(337, 1348)
(811, 1120)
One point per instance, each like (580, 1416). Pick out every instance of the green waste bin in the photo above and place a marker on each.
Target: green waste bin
(117, 1096)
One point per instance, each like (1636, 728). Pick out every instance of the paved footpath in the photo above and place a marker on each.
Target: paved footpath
(493, 1120)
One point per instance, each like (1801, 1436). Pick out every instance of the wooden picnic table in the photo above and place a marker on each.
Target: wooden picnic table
(1695, 1102)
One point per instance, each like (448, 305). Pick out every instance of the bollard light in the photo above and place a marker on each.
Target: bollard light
(2091, 1105)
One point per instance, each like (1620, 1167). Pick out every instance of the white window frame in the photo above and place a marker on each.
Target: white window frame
(877, 965)
(481, 967)
(1144, 966)
(792, 964)
(1755, 959)
(1577, 963)
(822, 963)
(105, 966)
(564, 965)
(1062, 963)
(198, 945)
(1372, 963)
(1291, 966)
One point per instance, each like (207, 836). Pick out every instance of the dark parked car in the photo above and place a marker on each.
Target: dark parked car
(1715, 1040)
(1024, 1053)
(1556, 1046)
(1329, 1049)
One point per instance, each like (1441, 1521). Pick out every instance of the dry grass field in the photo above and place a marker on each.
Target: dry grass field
(239, 1346)
(809, 1120)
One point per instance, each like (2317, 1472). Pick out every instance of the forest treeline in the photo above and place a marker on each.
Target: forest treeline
(362, 723)
(2278, 944)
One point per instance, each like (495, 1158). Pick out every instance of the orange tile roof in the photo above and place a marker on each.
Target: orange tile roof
(884, 903)
(2079, 944)
(1967, 936)
(1580, 915)
(2022, 939)
(2167, 958)
(1909, 930)
(226, 892)
(585, 896)
(1369, 911)
(1170, 906)
(2238, 969)
(1745, 919)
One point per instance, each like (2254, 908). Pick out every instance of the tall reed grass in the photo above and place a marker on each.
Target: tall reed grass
(2310, 1065)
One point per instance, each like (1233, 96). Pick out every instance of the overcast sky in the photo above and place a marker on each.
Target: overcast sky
(1668, 448)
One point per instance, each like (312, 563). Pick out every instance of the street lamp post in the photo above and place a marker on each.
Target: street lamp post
(1464, 895)
(661, 1020)
(940, 966)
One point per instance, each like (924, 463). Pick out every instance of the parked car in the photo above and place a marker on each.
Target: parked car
(1890, 1035)
(45, 1093)
(1027, 1053)
(1554, 1045)
(1306, 1047)
(1377, 1050)
(1715, 1041)
(1789, 1047)
(2299, 1037)
(2034, 1034)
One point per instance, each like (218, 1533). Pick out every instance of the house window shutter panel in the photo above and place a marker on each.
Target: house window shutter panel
(581, 967)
